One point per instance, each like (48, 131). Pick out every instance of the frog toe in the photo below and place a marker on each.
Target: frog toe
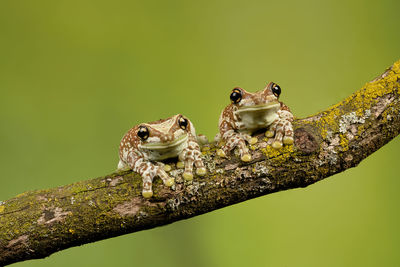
(188, 176)
(180, 165)
(167, 167)
(221, 153)
(147, 194)
(288, 140)
(277, 144)
(253, 141)
(201, 171)
(246, 158)
(269, 134)
(169, 182)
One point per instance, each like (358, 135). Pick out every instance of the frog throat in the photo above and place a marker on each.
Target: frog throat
(256, 117)
(166, 145)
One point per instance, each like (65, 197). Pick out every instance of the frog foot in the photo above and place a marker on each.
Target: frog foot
(147, 191)
(283, 132)
(192, 156)
(148, 175)
(237, 140)
(200, 169)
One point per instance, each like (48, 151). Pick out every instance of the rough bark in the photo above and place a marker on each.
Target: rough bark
(38, 223)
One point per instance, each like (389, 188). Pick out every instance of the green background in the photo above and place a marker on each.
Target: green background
(76, 75)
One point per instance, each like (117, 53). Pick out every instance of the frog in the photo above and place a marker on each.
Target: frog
(145, 146)
(250, 112)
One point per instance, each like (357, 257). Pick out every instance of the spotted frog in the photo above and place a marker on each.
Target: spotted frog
(250, 112)
(145, 145)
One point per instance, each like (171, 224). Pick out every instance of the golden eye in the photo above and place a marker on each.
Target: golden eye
(143, 132)
(276, 89)
(236, 95)
(183, 123)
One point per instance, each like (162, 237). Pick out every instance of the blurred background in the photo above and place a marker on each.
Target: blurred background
(76, 75)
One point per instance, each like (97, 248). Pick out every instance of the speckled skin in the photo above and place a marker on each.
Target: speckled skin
(253, 112)
(166, 139)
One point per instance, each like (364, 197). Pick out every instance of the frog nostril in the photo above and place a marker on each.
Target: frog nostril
(167, 138)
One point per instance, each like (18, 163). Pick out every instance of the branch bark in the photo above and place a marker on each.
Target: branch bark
(36, 224)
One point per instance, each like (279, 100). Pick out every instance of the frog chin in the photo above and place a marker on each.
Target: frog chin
(161, 151)
(259, 116)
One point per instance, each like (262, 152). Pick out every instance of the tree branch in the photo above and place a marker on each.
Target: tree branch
(38, 223)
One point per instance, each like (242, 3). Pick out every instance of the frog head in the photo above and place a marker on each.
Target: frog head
(256, 110)
(164, 138)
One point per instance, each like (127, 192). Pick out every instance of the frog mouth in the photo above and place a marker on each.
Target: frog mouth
(168, 145)
(261, 108)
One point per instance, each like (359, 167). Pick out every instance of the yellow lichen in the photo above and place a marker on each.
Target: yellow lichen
(329, 121)
(2, 209)
(396, 67)
(360, 129)
(344, 142)
(360, 112)
(281, 154)
(20, 195)
(360, 101)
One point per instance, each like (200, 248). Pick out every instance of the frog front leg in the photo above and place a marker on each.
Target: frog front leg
(281, 128)
(234, 139)
(192, 155)
(148, 170)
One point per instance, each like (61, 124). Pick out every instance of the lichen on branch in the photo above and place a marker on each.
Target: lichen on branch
(38, 223)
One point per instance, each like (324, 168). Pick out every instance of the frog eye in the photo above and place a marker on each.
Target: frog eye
(143, 132)
(276, 89)
(183, 123)
(236, 95)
